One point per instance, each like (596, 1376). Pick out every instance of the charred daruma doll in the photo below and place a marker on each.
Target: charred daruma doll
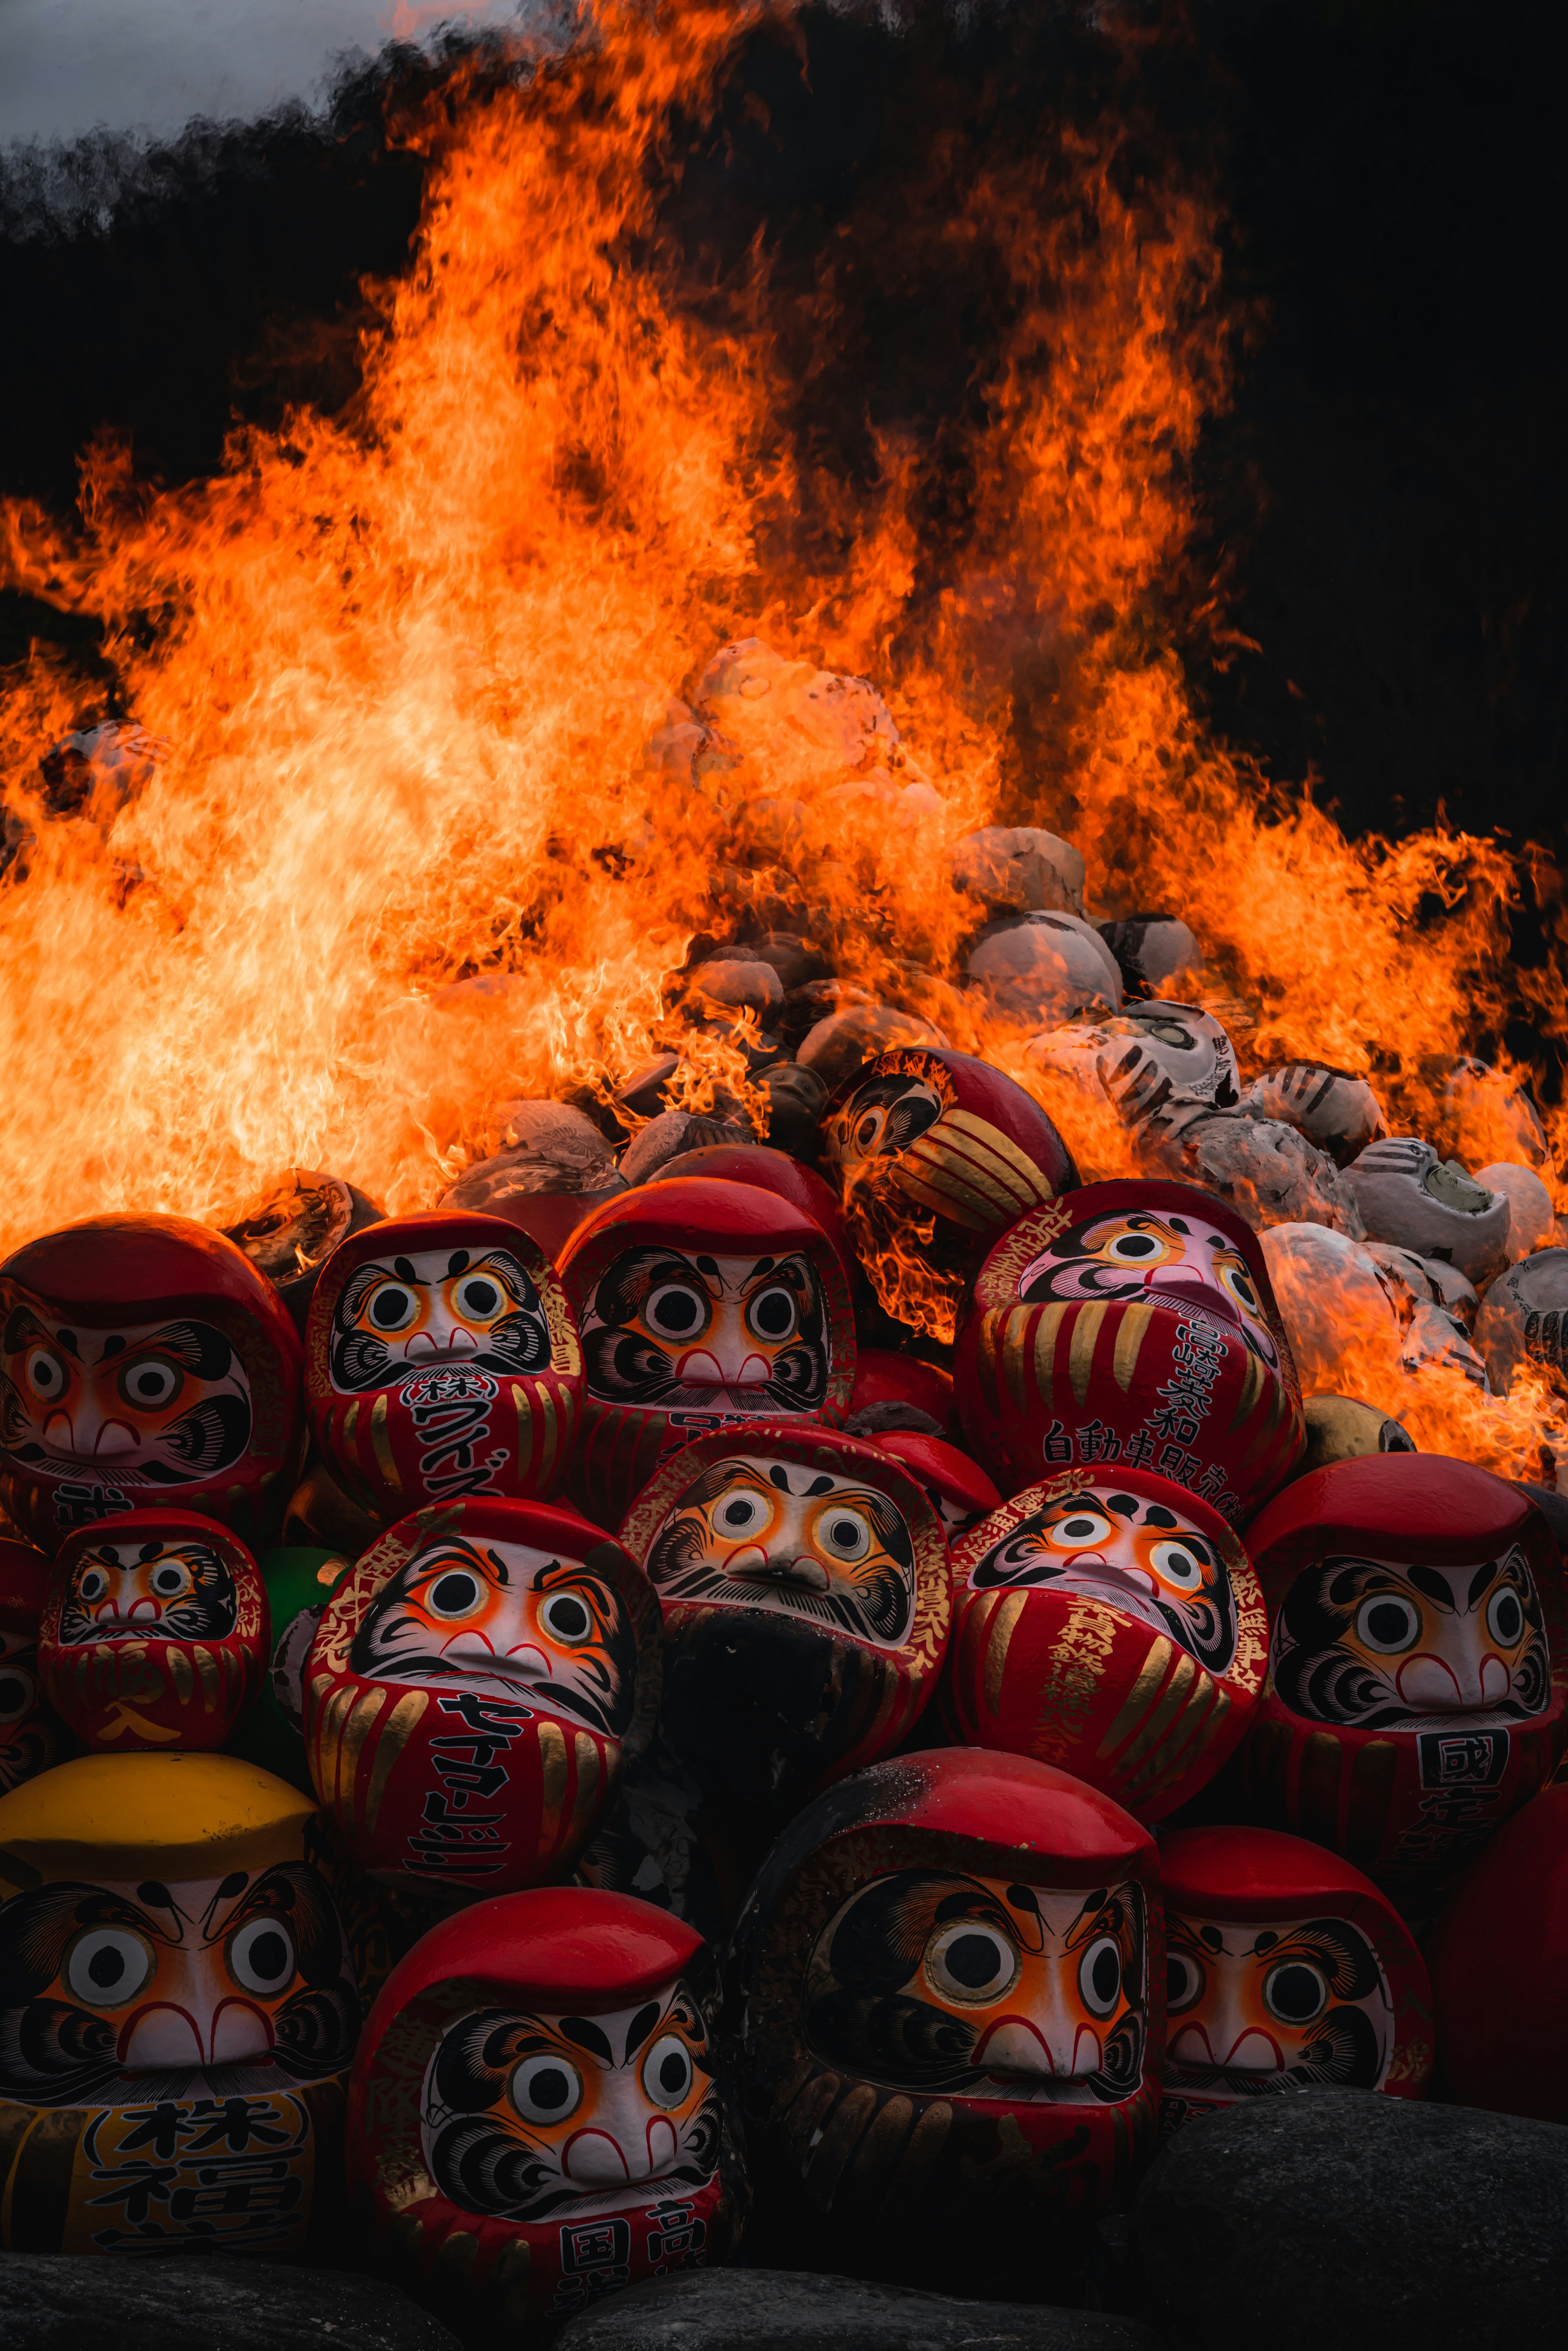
(30, 1735)
(472, 1690)
(949, 1982)
(936, 1154)
(701, 1303)
(441, 1362)
(804, 1580)
(179, 2011)
(537, 2117)
(1499, 1963)
(1132, 1326)
(1114, 1629)
(154, 1632)
(1285, 1969)
(144, 1360)
(1418, 1656)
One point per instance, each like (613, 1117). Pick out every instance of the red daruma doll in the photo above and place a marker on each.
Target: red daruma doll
(441, 1362)
(949, 1979)
(1285, 1969)
(1112, 1627)
(538, 2117)
(143, 1360)
(472, 1689)
(29, 1734)
(155, 1632)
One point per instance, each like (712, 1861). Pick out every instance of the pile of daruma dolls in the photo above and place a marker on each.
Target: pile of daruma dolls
(723, 1790)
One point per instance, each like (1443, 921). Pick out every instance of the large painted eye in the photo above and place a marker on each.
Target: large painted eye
(46, 1374)
(545, 2089)
(843, 1533)
(1136, 1244)
(1388, 1623)
(1233, 1277)
(667, 2071)
(1505, 1618)
(456, 1593)
(1080, 1530)
(677, 1311)
(1184, 1981)
(479, 1299)
(972, 1961)
(1099, 1975)
(19, 1693)
(92, 1583)
(771, 1314)
(867, 1130)
(391, 1306)
(150, 1383)
(169, 1579)
(741, 1513)
(108, 1966)
(567, 1618)
(261, 1955)
(1178, 1562)
(1295, 1992)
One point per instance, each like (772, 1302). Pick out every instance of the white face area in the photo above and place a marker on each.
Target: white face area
(160, 1404)
(1165, 1254)
(1288, 2005)
(1135, 1555)
(430, 1308)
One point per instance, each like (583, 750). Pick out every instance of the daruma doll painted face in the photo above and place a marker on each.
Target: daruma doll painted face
(701, 1303)
(950, 1974)
(1132, 1326)
(30, 1740)
(441, 1361)
(179, 2010)
(472, 1690)
(143, 1359)
(1285, 1969)
(803, 1582)
(155, 1632)
(1113, 1628)
(1418, 1659)
(538, 2117)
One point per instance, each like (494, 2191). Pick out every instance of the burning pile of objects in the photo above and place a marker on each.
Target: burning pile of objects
(875, 1533)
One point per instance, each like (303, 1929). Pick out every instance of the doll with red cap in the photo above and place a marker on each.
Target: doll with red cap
(155, 1632)
(441, 1361)
(31, 1736)
(537, 2115)
(472, 1690)
(950, 1980)
(1499, 1963)
(1111, 1626)
(142, 1360)
(1285, 1969)
(1417, 1663)
(1132, 1326)
(701, 1303)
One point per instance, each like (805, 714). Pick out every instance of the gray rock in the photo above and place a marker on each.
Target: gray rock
(1337, 2218)
(68, 2302)
(797, 2310)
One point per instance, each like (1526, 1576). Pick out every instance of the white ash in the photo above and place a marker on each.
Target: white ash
(1531, 1219)
(1433, 1335)
(1408, 1196)
(553, 1146)
(1524, 1315)
(1334, 1299)
(1040, 969)
(1019, 870)
(1272, 1174)
(1332, 1108)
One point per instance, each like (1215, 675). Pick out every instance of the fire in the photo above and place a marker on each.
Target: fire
(425, 831)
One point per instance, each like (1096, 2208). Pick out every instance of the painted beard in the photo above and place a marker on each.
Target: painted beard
(160, 1405)
(438, 1309)
(523, 2115)
(955, 1986)
(514, 1623)
(1133, 1554)
(1139, 1254)
(1257, 2009)
(1378, 1645)
(109, 1996)
(153, 1590)
(667, 1332)
(792, 1542)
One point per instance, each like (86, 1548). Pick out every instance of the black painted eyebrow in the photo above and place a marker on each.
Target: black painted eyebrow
(641, 2025)
(588, 2036)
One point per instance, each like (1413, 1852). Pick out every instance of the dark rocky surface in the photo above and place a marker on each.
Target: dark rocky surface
(73, 2301)
(791, 2310)
(1337, 2218)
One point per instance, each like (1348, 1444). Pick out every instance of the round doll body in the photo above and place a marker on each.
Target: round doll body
(1499, 1960)
(537, 2117)
(31, 1735)
(949, 1979)
(701, 1303)
(956, 1488)
(154, 1632)
(1113, 1628)
(179, 2011)
(804, 1580)
(1285, 1969)
(300, 1578)
(1419, 1653)
(1132, 1326)
(441, 1361)
(472, 1690)
(144, 1360)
